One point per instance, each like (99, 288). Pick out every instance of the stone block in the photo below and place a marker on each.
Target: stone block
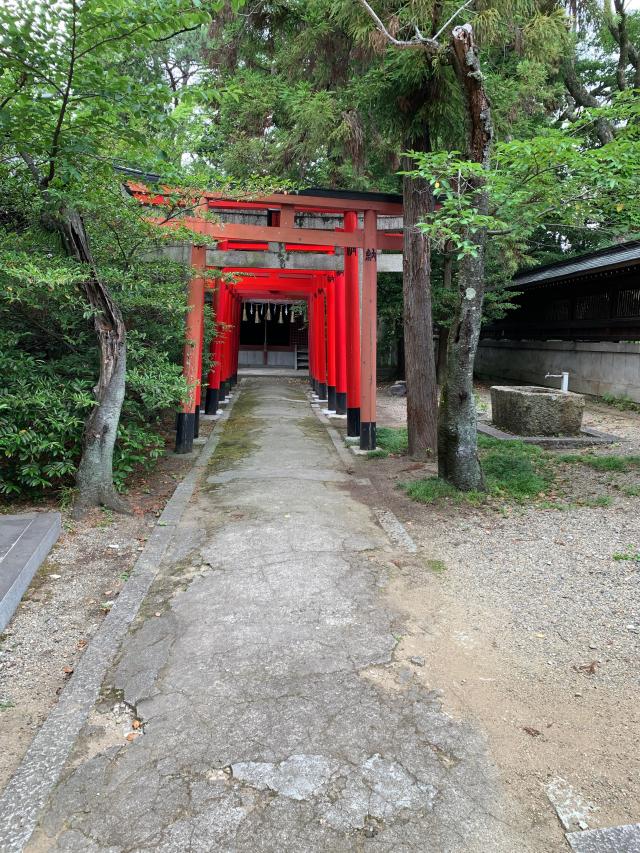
(533, 410)
(25, 541)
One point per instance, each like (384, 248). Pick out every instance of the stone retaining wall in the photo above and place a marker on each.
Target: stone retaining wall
(594, 368)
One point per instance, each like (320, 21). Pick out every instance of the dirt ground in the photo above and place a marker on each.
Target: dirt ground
(67, 600)
(530, 627)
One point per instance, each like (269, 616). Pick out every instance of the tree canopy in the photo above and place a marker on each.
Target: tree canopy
(311, 92)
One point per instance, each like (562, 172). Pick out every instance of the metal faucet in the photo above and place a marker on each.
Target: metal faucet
(564, 376)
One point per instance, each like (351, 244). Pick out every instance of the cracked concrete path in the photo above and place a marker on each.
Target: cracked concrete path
(255, 667)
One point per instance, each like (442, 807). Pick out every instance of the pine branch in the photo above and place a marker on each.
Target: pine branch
(418, 39)
(586, 99)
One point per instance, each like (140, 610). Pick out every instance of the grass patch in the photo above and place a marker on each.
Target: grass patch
(393, 440)
(631, 553)
(624, 404)
(237, 437)
(601, 500)
(432, 489)
(512, 470)
(631, 491)
(6, 704)
(377, 454)
(436, 566)
(601, 463)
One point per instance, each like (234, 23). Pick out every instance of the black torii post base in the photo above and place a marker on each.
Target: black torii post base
(185, 423)
(368, 435)
(331, 398)
(341, 402)
(322, 390)
(353, 422)
(211, 401)
(196, 422)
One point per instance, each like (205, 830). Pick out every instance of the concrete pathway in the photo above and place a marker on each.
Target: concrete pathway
(256, 665)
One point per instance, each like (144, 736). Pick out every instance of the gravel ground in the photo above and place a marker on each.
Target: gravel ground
(530, 626)
(66, 602)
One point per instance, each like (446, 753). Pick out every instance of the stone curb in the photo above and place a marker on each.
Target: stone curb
(27, 790)
(587, 438)
(335, 437)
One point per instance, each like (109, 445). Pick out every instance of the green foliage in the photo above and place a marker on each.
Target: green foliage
(48, 355)
(624, 404)
(136, 448)
(43, 406)
(85, 87)
(41, 420)
(551, 180)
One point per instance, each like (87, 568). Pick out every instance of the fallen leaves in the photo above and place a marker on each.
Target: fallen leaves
(531, 731)
(68, 670)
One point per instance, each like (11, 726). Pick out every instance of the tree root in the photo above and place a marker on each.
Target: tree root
(109, 499)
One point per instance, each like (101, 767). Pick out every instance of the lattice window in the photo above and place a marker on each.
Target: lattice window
(557, 310)
(592, 306)
(628, 303)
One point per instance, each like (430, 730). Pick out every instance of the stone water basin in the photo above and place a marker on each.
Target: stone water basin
(534, 410)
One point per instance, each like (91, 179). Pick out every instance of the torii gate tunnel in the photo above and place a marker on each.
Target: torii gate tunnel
(321, 247)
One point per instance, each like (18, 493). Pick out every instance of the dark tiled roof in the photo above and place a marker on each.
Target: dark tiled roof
(622, 255)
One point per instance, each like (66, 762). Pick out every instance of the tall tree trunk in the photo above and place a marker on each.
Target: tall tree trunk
(419, 360)
(443, 331)
(457, 428)
(95, 471)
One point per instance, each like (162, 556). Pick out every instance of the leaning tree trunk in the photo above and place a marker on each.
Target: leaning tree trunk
(457, 428)
(95, 471)
(419, 360)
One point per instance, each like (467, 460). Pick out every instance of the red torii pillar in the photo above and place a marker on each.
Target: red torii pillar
(331, 343)
(223, 334)
(229, 339)
(213, 377)
(369, 333)
(185, 423)
(237, 317)
(311, 341)
(352, 312)
(340, 344)
(321, 326)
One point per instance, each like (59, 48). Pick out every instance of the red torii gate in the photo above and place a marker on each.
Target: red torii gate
(342, 320)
